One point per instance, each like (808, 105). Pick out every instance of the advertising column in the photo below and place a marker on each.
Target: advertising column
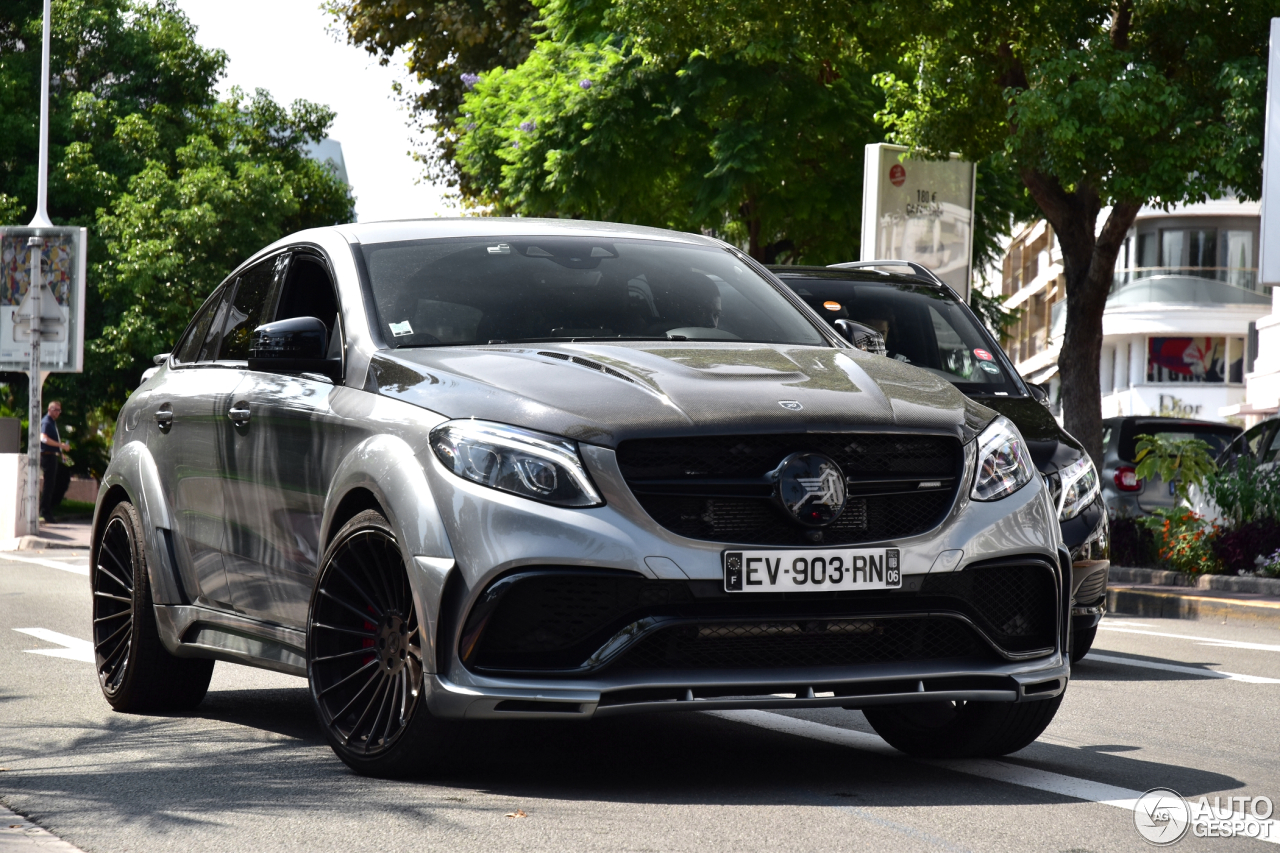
(919, 210)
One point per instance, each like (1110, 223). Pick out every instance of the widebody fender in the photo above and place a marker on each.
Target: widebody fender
(387, 467)
(133, 470)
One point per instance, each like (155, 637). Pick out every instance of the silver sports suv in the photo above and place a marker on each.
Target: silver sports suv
(456, 471)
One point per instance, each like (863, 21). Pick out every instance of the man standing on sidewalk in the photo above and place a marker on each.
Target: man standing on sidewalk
(51, 448)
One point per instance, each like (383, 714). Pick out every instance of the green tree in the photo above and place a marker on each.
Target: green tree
(755, 152)
(1096, 104)
(175, 186)
(446, 44)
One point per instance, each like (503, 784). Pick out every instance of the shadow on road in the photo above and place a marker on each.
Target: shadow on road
(260, 752)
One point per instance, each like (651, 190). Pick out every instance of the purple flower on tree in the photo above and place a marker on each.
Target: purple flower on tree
(469, 80)
(529, 126)
(584, 85)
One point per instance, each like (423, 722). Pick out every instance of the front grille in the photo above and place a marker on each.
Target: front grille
(791, 644)
(558, 620)
(718, 488)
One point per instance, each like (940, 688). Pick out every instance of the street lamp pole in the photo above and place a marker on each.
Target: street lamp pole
(36, 284)
(41, 219)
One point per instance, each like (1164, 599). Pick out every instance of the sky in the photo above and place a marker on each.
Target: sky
(287, 48)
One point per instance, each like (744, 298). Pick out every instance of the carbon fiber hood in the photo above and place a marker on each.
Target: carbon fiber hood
(606, 393)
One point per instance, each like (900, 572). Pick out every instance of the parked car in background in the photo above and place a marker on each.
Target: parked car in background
(923, 322)
(1127, 496)
(1260, 443)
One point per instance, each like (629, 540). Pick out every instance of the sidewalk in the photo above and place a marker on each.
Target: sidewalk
(73, 533)
(1170, 595)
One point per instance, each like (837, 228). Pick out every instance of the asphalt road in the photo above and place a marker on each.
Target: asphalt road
(249, 771)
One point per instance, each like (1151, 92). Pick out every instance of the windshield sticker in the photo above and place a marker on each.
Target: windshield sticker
(989, 367)
(831, 306)
(500, 249)
(982, 354)
(401, 329)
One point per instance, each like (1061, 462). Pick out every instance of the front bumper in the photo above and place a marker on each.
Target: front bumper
(497, 536)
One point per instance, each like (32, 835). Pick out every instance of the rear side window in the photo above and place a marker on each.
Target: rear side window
(1218, 438)
(249, 308)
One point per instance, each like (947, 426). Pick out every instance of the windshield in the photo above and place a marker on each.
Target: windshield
(1216, 437)
(923, 326)
(456, 292)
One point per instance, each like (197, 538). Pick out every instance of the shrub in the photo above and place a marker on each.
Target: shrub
(1183, 539)
(1239, 549)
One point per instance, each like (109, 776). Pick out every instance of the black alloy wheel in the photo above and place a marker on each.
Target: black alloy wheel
(136, 672)
(365, 655)
(946, 729)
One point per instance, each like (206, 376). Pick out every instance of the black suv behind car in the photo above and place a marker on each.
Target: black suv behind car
(923, 322)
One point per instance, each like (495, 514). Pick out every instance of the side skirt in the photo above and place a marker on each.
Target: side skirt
(200, 632)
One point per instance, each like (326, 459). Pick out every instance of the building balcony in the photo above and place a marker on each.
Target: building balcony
(1188, 286)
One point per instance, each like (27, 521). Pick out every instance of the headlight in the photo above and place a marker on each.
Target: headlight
(1004, 465)
(510, 459)
(1079, 487)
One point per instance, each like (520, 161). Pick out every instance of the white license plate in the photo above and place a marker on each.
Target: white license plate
(812, 571)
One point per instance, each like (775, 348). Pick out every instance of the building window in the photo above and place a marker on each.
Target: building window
(1237, 258)
(1198, 360)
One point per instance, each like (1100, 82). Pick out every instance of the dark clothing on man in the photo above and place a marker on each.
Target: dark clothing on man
(49, 427)
(51, 466)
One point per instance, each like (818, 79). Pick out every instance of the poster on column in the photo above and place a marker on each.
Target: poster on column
(919, 210)
(62, 264)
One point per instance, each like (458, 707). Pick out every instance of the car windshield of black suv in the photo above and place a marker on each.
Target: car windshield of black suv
(466, 291)
(922, 326)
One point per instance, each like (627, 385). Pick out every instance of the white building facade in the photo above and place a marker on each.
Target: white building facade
(1179, 329)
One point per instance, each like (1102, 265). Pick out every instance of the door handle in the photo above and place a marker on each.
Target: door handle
(239, 414)
(164, 417)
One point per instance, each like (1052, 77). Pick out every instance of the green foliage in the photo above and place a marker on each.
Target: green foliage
(175, 186)
(1246, 493)
(758, 153)
(1184, 540)
(1185, 462)
(440, 41)
(992, 313)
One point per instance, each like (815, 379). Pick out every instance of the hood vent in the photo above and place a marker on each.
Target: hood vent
(586, 362)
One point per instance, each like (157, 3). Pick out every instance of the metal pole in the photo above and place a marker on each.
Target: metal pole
(41, 219)
(36, 384)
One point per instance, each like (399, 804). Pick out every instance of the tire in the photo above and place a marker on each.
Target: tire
(365, 658)
(962, 729)
(1081, 642)
(137, 674)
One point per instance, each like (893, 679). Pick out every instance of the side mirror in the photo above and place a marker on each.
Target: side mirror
(296, 345)
(863, 337)
(1040, 392)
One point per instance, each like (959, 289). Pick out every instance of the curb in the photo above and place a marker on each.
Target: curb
(1176, 605)
(36, 543)
(1226, 583)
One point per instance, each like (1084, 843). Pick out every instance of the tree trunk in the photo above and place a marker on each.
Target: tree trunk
(1089, 261)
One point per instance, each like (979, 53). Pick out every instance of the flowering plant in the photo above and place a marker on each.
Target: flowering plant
(1184, 539)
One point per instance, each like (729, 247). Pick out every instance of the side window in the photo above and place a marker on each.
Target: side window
(1252, 440)
(1273, 449)
(193, 343)
(248, 309)
(309, 292)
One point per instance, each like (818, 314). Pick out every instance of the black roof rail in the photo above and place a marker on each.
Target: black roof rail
(920, 270)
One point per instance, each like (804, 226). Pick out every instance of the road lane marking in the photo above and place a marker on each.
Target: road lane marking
(1184, 670)
(52, 564)
(73, 647)
(1205, 641)
(985, 768)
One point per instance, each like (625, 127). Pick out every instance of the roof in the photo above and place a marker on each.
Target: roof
(496, 226)
(836, 274)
